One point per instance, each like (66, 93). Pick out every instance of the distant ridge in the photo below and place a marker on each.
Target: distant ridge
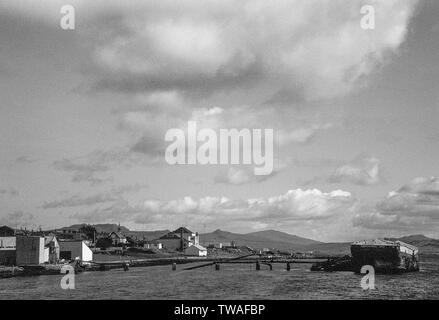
(273, 239)
(259, 239)
(425, 244)
(278, 236)
(103, 227)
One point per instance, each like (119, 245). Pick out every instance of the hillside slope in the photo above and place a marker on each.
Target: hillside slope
(259, 240)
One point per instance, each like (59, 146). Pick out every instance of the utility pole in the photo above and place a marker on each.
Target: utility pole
(181, 240)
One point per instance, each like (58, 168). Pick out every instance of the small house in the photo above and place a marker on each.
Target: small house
(5, 231)
(118, 238)
(196, 250)
(173, 241)
(179, 238)
(75, 249)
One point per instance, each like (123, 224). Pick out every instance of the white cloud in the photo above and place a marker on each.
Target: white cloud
(295, 209)
(361, 171)
(239, 176)
(213, 111)
(299, 135)
(294, 205)
(77, 200)
(317, 46)
(414, 207)
(419, 198)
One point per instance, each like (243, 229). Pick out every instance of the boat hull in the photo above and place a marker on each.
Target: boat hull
(384, 259)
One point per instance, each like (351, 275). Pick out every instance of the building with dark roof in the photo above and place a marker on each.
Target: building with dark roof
(118, 238)
(5, 231)
(179, 239)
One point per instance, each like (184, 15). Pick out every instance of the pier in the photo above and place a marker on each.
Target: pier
(51, 269)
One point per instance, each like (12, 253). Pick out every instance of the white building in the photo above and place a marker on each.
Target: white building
(118, 238)
(75, 249)
(196, 250)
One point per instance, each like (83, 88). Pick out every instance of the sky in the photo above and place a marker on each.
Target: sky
(355, 113)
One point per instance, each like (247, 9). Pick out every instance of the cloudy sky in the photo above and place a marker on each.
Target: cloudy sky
(83, 114)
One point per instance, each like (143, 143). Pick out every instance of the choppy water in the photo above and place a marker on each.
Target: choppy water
(231, 282)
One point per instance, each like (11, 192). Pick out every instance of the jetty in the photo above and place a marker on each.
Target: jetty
(125, 264)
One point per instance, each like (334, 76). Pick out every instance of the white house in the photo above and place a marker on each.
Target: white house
(196, 250)
(72, 249)
(118, 238)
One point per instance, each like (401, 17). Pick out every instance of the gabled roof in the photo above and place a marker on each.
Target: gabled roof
(49, 239)
(185, 230)
(6, 231)
(199, 247)
(118, 234)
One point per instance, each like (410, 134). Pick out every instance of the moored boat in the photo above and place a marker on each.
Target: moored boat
(385, 256)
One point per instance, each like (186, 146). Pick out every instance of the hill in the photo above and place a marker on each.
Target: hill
(425, 244)
(260, 239)
(285, 241)
(277, 236)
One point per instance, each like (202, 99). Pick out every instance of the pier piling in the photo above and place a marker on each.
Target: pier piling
(174, 266)
(288, 266)
(258, 265)
(217, 266)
